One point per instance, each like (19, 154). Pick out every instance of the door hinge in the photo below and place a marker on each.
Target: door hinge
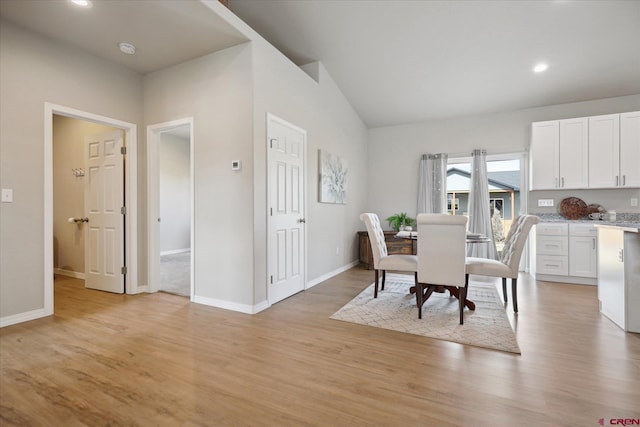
(271, 279)
(123, 210)
(271, 142)
(123, 270)
(123, 150)
(271, 211)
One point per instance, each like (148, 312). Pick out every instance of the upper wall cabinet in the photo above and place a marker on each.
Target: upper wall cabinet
(630, 149)
(559, 154)
(614, 150)
(574, 153)
(588, 152)
(604, 151)
(544, 155)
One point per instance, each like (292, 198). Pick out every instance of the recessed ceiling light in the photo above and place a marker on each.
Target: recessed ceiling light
(81, 3)
(540, 67)
(127, 48)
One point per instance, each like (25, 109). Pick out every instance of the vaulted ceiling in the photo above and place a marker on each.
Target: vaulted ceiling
(404, 61)
(396, 61)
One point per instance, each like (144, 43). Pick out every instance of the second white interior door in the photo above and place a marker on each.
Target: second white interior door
(287, 247)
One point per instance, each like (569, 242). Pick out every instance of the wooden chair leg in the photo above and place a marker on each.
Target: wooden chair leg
(463, 296)
(504, 288)
(514, 294)
(375, 286)
(423, 292)
(384, 277)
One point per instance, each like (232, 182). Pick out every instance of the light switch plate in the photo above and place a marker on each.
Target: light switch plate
(236, 165)
(7, 195)
(545, 202)
(634, 202)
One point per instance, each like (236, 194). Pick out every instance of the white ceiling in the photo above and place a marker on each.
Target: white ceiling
(165, 32)
(405, 61)
(396, 61)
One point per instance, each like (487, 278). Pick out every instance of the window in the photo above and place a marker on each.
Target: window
(496, 206)
(453, 205)
(506, 175)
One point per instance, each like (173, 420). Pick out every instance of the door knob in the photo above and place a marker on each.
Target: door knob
(302, 220)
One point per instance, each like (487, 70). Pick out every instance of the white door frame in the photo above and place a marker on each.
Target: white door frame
(273, 118)
(131, 196)
(153, 200)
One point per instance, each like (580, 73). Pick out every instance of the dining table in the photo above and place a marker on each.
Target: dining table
(471, 239)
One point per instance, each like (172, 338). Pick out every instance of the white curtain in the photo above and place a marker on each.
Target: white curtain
(479, 211)
(432, 188)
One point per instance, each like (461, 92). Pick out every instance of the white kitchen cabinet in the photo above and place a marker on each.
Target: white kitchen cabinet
(551, 265)
(544, 155)
(566, 252)
(552, 249)
(630, 149)
(604, 151)
(574, 153)
(586, 152)
(583, 252)
(614, 150)
(559, 154)
(619, 275)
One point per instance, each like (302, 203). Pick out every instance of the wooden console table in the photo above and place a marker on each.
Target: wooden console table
(394, 246)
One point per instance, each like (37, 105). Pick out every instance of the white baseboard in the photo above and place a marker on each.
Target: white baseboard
(175, 251)
(330, 274)
(567, 279)
(253, 309)
(69, 273)
(23, 317)
(141, 289)
(233, 306)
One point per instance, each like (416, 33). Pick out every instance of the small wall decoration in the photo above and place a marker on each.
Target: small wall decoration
(333, 178)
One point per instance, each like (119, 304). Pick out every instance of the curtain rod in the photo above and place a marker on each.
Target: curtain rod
(470, 153)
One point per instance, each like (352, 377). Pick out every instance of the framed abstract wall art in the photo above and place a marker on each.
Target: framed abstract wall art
(333, 178)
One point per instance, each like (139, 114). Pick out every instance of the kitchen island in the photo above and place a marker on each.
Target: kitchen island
(619, 274)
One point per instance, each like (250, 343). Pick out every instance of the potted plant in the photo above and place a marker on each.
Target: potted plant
(401, 221)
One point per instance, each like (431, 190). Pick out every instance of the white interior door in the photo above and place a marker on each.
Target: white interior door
(286, 147)
(103, 201)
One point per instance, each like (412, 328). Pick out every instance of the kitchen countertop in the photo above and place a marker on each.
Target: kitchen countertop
(634, 228)
(628, 221)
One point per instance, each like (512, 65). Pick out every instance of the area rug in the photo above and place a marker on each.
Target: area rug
(395, 309)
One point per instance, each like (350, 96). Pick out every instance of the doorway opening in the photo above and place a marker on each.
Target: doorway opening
(88, 240)
(170, 203)
(129, 249)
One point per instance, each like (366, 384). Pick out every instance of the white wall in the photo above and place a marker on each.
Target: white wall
(216, 90)
(331, 124)
(35, 70)
(175, 207)
(229, 94)
(394, 151)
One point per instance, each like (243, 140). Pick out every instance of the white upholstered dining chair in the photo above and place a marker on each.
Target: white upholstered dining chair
(507, 266)
(382, 261)
(441, 257)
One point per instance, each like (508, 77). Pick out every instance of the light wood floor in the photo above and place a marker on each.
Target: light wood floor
(149, 360)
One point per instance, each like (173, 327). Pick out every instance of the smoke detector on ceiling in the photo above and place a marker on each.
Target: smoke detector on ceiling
(127, 48)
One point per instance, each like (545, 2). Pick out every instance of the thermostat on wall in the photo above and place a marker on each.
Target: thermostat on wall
(236, 165)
